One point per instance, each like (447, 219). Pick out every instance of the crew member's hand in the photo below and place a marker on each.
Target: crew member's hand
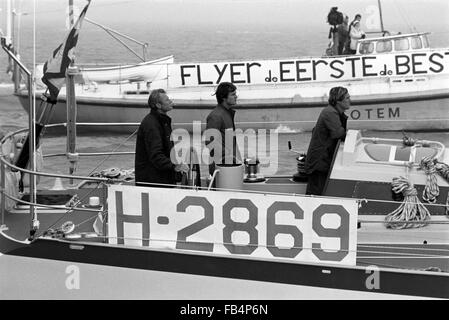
(182, 167)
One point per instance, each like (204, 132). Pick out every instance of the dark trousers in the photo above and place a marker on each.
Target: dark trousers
(316, 182)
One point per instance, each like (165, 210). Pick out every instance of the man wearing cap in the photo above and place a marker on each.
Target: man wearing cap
(220, 127)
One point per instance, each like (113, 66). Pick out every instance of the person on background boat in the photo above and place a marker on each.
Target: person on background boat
(153, 145)
(358, 17)
(334, 18)
(330, 127)
(221, 122)
(343, 35)
(356, 34)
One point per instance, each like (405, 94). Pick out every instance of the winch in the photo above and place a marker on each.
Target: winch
(251, 170)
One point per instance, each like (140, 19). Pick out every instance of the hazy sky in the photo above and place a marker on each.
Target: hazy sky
(166, 18)
(201, 12)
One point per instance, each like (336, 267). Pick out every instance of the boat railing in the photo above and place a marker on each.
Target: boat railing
(6, 164)
(440, 147)
(382, 33)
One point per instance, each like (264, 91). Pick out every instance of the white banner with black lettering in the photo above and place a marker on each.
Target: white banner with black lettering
(256, 72)
(234, 223)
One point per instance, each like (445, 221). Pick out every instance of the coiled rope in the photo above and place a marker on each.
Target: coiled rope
(442, 169)
(431, 190)
(411, 208)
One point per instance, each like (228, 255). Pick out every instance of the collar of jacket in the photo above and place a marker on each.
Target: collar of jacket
(160, 116)
(343, 114)
(229, 110)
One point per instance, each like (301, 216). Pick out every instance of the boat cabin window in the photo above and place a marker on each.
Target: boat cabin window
(366, 47)
(416, 42)
(425, 41)
(386, 152)
(401, 44)
(384, 46)
(145, 92)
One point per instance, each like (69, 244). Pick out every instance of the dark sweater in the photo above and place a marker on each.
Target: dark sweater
(153, 146)
(222, 119)
(329, 128)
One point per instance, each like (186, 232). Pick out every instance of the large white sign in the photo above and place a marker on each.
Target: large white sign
(234, 223)
(309, 69)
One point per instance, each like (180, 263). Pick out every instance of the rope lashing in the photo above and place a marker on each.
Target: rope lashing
(442, 169)
(408, 141)
(431, 190)
(411, 209)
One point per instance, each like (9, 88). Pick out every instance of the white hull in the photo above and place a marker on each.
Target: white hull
(413, 110)
(147, 71)
(156, 258)
(400, 90)
(31, 278)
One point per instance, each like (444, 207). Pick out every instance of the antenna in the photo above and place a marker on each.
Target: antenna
(380, 15)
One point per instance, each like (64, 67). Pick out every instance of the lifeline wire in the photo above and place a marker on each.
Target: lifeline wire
(119, 146)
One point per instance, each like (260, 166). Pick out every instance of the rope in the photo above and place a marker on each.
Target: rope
(442, 169)
(408, 141)
(411, 208)
(431, 190)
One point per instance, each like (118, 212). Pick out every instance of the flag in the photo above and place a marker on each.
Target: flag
(55, 67)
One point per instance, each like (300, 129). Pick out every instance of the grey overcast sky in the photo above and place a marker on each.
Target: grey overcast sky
(297, 12)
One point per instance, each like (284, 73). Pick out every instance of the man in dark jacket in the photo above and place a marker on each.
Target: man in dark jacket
(153, 144)
(330, 127)
(221, 122)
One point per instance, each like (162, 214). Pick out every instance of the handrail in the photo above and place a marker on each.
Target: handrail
(32, 132)
(4, 195)
(440, 146)
(3, 161)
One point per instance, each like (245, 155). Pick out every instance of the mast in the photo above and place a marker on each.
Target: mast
(381, 19)
(72, 71)
(8, 22)
(10, 40)
(32, 134)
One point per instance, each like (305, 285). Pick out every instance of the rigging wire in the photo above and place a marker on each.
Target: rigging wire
(70, 210)
(115, 150)
(404, 17)
(391, 254)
